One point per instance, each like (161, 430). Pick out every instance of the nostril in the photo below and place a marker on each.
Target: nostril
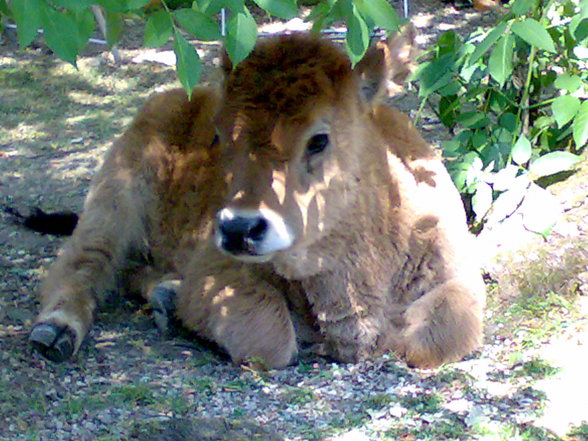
(237, 226)
(258, 229)
(242, 234)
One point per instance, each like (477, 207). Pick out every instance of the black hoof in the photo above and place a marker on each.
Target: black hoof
(163, 302)
(56, 343)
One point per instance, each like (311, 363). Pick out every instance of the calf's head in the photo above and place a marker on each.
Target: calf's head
(294, 127)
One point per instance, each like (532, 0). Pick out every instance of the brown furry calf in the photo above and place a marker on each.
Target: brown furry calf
(290, 207)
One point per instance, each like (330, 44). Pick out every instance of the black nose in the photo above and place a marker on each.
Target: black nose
(242, 234)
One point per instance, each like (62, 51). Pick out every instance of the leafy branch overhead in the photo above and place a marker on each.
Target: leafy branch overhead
(515, 98)
(68, 24)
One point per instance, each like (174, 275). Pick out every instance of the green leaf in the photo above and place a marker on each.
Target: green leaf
(358, 38)
(380, 12)
(533, 33)
(580, 32)
(208, 7)
(114, 27)
(580, 125)
(459, 169)
(521, 7)
(552, 163)
(451, 89)
(236, 6)
(500, 61)
(241, 36)
(114, 5)
(564, 109)
(435, 74)
(136, 4)
(158, 29)
(188, 64)
(285, 9)
(521, 151)
(480, 139)
(4, 8)
(583, 8)
(448, 41)
(85, 26)
(73, 5)
(320, 16)
(58, 26)
(568, 82)
(482, 200)
(473, 119)
(447, 110)
(487, 42)
(508, 120)
(28, 17)
(198, 24)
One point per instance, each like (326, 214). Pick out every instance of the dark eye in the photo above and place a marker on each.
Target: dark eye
(317, 143)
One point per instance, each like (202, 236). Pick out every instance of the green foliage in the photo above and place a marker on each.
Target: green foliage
(134, 394)
(515, 98)
(176, 20)
(360, 16)
(241, 35)
(536, 369)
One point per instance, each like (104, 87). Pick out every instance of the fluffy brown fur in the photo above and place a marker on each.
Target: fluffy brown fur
(380, 260)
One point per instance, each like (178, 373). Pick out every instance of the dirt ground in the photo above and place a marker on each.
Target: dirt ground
(528, 382)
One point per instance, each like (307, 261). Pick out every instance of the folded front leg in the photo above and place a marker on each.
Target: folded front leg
(226, 302)
(444, 325)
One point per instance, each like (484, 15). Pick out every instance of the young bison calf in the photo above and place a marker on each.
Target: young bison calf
(290, 207)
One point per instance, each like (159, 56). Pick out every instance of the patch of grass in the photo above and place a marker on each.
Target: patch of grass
(237, 385)
(174, 403)
(204, 385)
(378, 401)
(298, 396)
(71, 406)
(349, 420)
(13, 398)
(94, 102)
(536, 399)
(312, 433)
(536, 299)
(33, 435)
(437, 431)
(578, 433)
(305, 368)
(135, 394)
(532, 433)
(424, 403)
(536, 369)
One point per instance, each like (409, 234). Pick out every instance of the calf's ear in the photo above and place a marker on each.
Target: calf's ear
(387, 64)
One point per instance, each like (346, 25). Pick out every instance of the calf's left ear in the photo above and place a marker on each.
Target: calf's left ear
(387, 64)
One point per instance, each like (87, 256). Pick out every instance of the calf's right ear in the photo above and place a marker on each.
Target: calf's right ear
(387, 64)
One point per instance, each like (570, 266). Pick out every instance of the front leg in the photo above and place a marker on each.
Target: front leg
(350, 317)
(76, 283)
(90, 262)
(444, 325)
(231, 304)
